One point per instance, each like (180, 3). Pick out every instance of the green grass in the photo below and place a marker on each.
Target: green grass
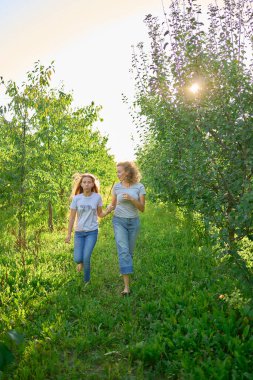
(189, 315)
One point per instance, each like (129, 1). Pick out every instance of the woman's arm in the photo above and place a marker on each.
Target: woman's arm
(139, 204)
(114, 201)
(72, 217)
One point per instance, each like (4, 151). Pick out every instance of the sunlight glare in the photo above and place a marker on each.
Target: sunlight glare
(195, 87)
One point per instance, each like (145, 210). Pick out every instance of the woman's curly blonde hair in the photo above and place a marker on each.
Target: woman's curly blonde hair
(132, 172)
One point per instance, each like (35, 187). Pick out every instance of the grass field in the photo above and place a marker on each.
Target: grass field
(189, 315)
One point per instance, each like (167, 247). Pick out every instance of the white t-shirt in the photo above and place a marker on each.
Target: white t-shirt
(87, 219)
(125, 208)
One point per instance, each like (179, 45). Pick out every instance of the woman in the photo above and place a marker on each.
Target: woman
(87, 205)
(127, 200)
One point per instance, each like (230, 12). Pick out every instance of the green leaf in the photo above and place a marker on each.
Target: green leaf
(6, 357)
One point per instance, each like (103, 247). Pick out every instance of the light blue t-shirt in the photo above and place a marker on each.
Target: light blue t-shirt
(87, 219)
(125, 208)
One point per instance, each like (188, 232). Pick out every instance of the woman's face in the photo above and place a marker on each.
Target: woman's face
(121, 173)
(87, 184)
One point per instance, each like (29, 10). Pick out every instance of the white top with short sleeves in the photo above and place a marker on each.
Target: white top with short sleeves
(125, 208)
(87, 218)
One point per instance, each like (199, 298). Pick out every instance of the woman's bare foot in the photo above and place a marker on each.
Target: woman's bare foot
(79, 267)
(125, 292)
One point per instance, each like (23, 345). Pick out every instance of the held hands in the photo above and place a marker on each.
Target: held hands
(109, 209)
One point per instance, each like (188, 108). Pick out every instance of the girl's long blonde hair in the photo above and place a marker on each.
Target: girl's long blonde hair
(77, 188)
(132, 172)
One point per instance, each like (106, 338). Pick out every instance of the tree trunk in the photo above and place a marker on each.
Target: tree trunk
(50, 217)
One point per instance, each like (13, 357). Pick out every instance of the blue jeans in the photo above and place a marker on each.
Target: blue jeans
(125, 232)
(83, 247)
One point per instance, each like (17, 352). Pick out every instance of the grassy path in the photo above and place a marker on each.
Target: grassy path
(186, 317)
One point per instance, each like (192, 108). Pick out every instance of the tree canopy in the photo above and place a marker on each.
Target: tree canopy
(44, 142)
(194, 112)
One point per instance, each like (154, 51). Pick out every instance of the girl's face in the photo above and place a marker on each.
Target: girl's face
(87, 184)
(121, 173)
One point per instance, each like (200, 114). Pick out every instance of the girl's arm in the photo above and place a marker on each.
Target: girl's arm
(109, 208)
(102, 213)
(139, 204)
(72, 217)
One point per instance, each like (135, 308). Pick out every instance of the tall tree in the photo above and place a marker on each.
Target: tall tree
(44, 141)
(194, 104)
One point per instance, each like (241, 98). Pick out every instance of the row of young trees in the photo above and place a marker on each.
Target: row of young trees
(44, 140)
(194, 112)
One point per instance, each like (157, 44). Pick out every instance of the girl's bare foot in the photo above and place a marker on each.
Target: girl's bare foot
(79, 267)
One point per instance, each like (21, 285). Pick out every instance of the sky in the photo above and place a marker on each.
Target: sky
(91, 43)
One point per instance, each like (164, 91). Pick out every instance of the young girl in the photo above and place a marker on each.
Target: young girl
(87, 205)
(128, 199)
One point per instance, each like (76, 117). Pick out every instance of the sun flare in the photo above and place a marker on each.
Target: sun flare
(195, 87)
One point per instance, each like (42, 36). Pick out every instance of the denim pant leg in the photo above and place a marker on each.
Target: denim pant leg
(84, 246)
(125, 232)
(89, 245)
(133, 230)
(78, 247)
